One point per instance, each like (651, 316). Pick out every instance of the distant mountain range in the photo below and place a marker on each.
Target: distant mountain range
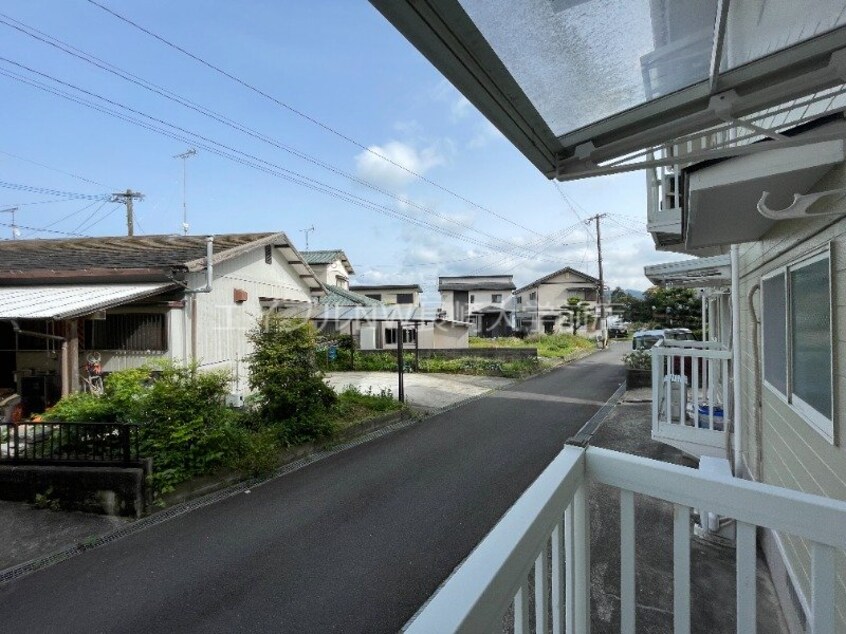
(634, 293)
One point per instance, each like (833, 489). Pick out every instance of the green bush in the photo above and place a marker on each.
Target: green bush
(288, 385)
(184, 425)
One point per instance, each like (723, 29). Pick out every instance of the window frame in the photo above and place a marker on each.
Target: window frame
(496, 298)
(824, 426)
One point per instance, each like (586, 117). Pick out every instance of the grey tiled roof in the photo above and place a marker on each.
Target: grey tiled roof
(476, 283)
(337, 296)
(121, 252)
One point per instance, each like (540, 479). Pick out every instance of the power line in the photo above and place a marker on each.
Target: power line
(42, 230)
(220, 118)
(52, 192)
(233, 154)
(307, 117)
(55, 169)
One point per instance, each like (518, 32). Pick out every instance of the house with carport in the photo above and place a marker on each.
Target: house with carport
(124, 301)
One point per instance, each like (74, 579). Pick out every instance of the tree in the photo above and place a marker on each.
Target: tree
(579, 315)
(284, 374)
(675, 307)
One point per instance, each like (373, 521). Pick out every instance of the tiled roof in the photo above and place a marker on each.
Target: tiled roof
(383, 287)
(476, 283)
(337, 296)
(327, 256)
(587, 278)
(123, 252)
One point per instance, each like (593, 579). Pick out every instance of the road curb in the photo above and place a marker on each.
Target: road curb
(210, 495)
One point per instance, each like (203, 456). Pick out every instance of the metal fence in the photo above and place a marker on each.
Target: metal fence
(69, 443)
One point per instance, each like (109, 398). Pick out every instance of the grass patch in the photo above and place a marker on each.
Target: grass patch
(561, 346)
(354, 405)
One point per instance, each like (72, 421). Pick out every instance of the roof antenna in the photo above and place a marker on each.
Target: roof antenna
(15, 231)
(306, 232)
(185, 156)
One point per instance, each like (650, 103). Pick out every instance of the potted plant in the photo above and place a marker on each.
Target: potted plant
(638, 369)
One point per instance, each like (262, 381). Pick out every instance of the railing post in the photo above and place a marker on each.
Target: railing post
(823, 589)
(681, 569)
(124, 442)
(581, 572)
(17, 440)
(627, 562)
(558, 578)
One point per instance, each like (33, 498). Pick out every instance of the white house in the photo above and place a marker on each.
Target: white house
(126, 300)
(483, 300)
(543, 305)
(734, 110)
(331, 266)
(391, 294)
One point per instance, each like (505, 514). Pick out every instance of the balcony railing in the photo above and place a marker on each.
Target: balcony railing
(553, 515)
(690, 396)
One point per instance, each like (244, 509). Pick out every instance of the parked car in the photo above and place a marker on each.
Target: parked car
(645, 339)
(618, 329)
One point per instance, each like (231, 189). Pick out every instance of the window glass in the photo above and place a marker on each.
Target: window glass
(496, 298)
(129, 332)
(774, 332)
(405, 298)
(810, 317)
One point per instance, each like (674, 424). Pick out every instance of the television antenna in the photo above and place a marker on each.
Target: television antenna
(185, 156)
(15, 231)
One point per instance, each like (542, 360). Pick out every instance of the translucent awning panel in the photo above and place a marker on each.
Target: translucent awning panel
(581, 61)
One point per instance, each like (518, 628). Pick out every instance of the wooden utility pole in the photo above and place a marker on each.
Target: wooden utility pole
(601, 295)
(126, 199)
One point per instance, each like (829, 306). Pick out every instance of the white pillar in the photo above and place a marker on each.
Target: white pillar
(735, 357)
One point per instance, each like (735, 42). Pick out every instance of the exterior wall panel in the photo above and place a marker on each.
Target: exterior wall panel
(794, 454)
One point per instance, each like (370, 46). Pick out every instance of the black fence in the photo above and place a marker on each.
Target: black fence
(69, 443)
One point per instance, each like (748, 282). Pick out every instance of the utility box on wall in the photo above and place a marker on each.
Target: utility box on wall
(240, 295)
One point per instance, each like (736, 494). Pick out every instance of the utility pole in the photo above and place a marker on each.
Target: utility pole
(306, 232)
(185, 156)
(601, 296)
(12, 210)
(126, 198)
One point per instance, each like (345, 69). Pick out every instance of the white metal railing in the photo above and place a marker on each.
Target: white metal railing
(691, 399)
(552, 515)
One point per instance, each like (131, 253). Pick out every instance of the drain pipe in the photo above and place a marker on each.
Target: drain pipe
(735, 359)
(209, 268)
(203, 289)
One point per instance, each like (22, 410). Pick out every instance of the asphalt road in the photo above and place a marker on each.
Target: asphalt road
(353, 543)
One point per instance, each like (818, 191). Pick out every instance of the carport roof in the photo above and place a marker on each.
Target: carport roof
(69, 301)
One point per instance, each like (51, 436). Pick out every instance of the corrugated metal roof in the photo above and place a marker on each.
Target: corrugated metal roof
(695, 272)
(65, 302)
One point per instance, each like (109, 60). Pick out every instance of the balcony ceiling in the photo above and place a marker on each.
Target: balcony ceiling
(577, 83)
(722, 198)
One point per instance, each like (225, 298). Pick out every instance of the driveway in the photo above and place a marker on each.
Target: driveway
(427, 390)
(353, 543)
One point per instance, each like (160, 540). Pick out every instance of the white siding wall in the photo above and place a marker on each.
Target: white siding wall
(221, 324)
(550, 297)
(793, 454)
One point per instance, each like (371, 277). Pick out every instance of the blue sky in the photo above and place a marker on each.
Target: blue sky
(341, 64)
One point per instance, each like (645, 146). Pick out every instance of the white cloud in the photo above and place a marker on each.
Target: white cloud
(385, 173)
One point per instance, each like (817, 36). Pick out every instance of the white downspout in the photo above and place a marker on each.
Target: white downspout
(735, 358)
(193, 303)
(209, 256)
